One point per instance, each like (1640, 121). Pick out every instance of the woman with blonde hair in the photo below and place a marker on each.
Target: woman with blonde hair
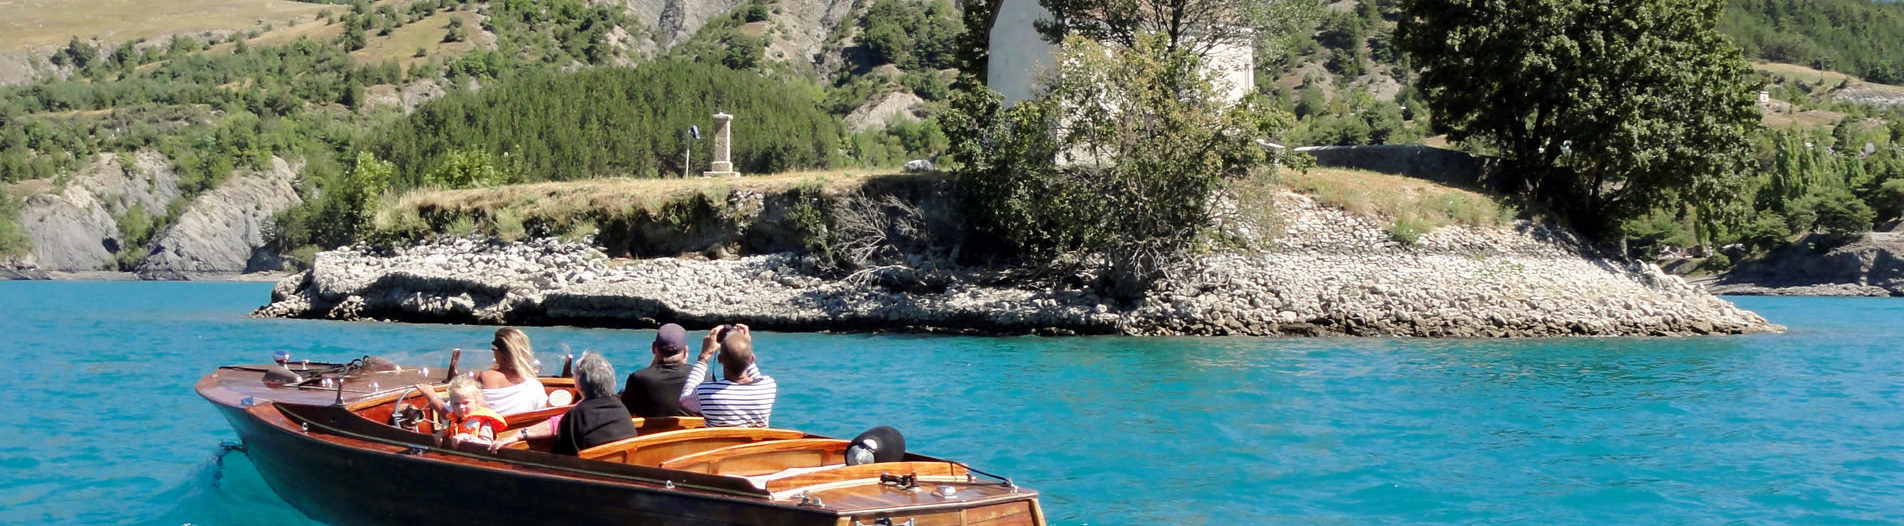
(510, 386)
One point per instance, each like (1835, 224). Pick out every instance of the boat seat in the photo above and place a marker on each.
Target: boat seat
(653, 449)
(923, 470)
(532, 417)
(561, 397)
(643, 426)
(761, 458)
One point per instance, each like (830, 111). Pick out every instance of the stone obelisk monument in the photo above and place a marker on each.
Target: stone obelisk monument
(723, 164)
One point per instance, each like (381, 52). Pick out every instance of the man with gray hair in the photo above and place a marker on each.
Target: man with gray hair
(599, 418)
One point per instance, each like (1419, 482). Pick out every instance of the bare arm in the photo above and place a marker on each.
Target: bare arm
(710, 344)
(436, 402)
(538, 431)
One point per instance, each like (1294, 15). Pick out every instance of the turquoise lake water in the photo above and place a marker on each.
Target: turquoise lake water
(101, 425)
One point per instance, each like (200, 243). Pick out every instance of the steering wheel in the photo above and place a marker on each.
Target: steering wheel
(408, 417)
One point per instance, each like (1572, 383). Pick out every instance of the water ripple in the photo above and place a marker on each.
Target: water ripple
(1802, 427)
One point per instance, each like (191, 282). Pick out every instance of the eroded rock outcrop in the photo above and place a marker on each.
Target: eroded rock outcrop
(884, 110)
(21, 268)
(221, 231)
(1331, 272)
(1873, 266)
(76, 228)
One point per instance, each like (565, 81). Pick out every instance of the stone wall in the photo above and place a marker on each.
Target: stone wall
(1421, 162)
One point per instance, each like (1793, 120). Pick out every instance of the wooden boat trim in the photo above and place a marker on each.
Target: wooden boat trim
(831, 451)
(675, 423)
(916, 509)
(344, 423)
(627, 448)
(814, 480)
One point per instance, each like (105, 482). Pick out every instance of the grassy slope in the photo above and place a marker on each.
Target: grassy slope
(1782, 117)
(426, 33)
(1794, 72)
(615, 195)
(1423, 204)
(28, 24)
(1408, 205)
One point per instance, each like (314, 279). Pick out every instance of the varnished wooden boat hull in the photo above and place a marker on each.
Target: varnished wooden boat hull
(325, 452)
(346, 485)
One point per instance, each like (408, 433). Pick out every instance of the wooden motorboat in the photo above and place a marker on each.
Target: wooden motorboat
(325, 442)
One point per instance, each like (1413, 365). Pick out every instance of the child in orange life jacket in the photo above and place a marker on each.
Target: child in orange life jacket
(470, 419)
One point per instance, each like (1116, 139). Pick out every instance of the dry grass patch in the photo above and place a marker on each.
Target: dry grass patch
(1808, 119)
(426, 33)
(315, 30)
(41, 23)
(574, 208)
(1794, 72)
(1412, 206)
(621, 195)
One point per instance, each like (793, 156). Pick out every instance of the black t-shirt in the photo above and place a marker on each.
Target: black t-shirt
(656, 391)
(591, 423)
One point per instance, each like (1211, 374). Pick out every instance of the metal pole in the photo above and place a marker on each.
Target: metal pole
(687, 164)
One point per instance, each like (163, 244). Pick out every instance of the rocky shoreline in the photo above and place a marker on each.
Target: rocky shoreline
(1328, 273)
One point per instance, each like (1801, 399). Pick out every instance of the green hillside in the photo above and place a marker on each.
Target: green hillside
(1859, 37)
(540, 90)
(532, 92)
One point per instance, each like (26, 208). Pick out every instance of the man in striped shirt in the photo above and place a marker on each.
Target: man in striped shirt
(742, 397)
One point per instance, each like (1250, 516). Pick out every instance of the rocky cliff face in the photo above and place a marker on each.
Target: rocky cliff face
(222, 230)
(673, 21)
(1873, 266)
(75, 228)
(801, 35)
(885, 110)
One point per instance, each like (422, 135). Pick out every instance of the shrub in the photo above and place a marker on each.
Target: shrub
(1766, 232)
(465, 169)
(1160, 144)
(13, 240)
(927, 85)
(1717, 263)
(811, 217)
(1833, 210)
(1408, 228)
(754, 12)
(1890, 199)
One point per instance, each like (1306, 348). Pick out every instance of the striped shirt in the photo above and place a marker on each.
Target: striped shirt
(728, 404)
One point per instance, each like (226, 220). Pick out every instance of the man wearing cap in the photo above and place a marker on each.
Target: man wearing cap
(656, 390)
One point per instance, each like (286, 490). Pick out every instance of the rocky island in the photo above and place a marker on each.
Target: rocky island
(1328, 271)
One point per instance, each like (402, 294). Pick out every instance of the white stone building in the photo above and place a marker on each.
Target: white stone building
(1019, 55)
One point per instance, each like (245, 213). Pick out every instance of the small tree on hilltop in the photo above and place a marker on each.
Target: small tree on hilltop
(1604, 109)
(1116, 162)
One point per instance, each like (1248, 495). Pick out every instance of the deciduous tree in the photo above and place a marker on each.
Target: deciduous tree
(1603, 108)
